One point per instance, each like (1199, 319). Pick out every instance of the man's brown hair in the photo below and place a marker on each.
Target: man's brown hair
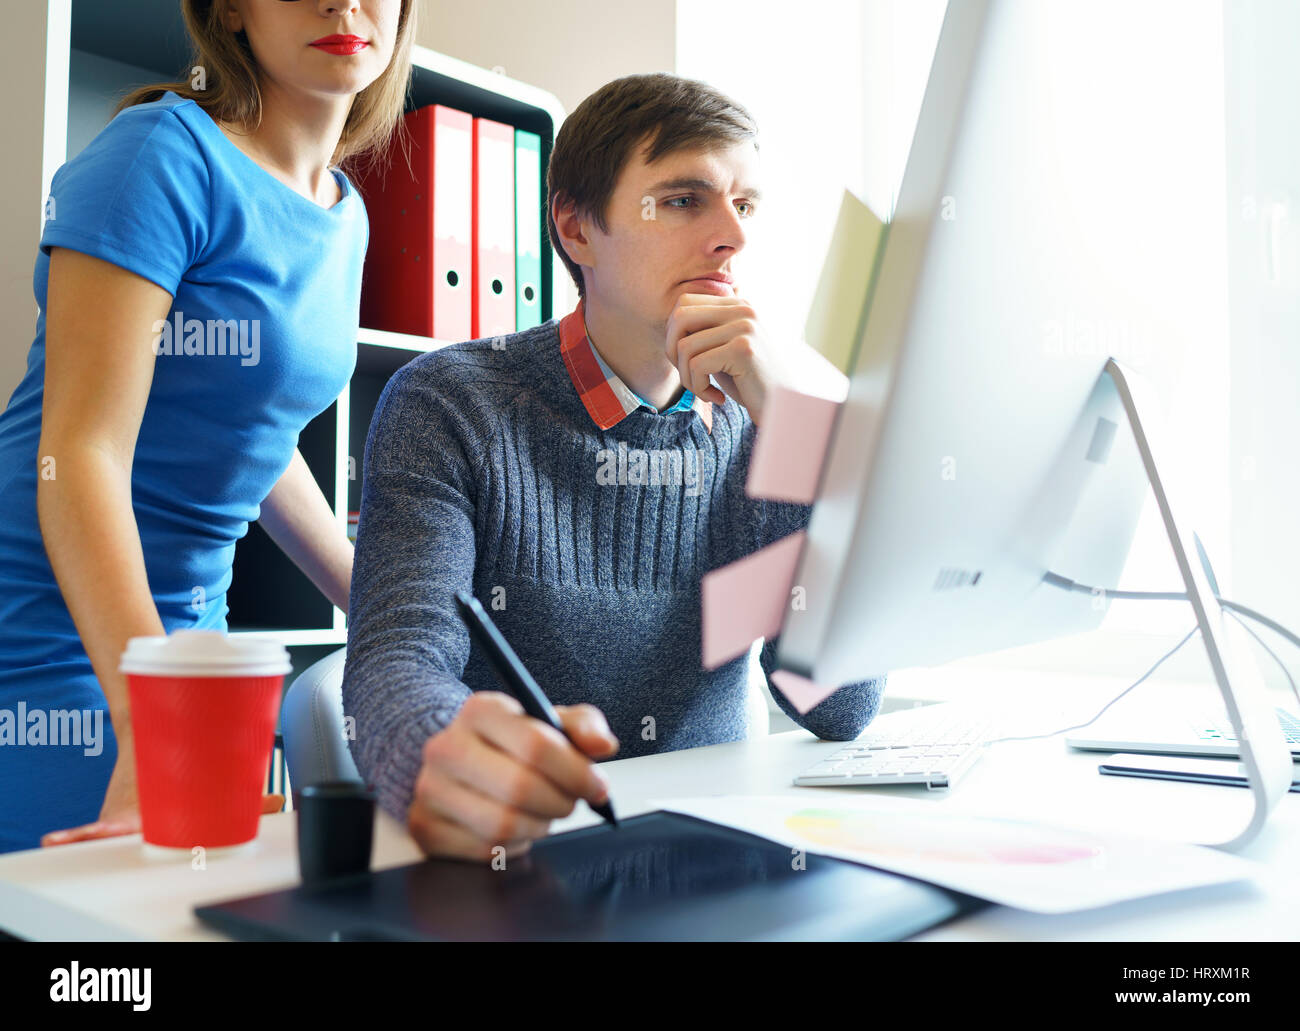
(595, 142)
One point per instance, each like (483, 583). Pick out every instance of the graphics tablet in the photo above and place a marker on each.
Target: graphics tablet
(658, 877)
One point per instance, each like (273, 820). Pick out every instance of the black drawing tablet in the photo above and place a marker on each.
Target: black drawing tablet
(660, 876)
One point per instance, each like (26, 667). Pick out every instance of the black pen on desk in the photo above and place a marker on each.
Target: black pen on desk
(514, 676)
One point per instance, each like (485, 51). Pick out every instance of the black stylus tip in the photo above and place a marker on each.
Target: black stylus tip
(606, 809)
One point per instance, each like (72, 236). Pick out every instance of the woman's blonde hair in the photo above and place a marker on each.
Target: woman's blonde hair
(231, 92)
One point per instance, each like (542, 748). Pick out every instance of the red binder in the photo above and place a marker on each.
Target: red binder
(418, 265)
(494, 229)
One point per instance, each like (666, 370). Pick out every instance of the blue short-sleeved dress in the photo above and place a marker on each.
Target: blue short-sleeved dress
(260, 339)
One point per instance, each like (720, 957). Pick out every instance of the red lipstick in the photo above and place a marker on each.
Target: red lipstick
(340, 44)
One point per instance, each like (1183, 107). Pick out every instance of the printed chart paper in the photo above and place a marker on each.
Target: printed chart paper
(1031, 866)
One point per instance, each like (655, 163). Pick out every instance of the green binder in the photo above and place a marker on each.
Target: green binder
(528, 230)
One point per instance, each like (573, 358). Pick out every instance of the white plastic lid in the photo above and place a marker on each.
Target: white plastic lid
(204, 653)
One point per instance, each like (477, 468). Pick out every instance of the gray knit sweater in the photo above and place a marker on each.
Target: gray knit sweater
(483, 471)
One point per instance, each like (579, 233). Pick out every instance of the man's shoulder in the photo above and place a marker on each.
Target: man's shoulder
(460, 391)
(490, 368)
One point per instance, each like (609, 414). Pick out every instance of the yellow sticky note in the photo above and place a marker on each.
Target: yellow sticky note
(835, 317)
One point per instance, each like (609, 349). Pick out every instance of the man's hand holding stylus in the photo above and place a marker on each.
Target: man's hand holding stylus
(495, 776)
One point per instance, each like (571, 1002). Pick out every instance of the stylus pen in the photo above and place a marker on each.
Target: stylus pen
(514, 676)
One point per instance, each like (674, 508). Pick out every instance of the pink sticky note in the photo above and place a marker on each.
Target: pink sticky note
(802, 692)
(791, 447)
(747, 600)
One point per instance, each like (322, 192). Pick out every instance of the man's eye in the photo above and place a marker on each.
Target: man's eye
(685, 202)
(748, 206)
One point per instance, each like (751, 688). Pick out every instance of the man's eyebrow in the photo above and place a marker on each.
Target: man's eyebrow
(704, 185)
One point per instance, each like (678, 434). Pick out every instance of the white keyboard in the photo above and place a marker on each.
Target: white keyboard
(934, 745)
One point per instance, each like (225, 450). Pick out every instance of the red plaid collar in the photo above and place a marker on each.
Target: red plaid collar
(607, 398)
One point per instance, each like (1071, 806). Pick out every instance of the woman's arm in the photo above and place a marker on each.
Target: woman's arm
(98, 369)
(299, 519)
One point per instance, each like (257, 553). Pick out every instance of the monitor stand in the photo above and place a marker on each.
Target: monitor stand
(1265, 754)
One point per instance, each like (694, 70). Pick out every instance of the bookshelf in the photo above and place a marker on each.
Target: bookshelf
(94, 52)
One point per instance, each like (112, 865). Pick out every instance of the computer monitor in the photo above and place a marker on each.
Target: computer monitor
(981, 445)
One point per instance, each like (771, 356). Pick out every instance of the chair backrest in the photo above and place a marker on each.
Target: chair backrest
(311, 722)
(759, 715)
(315, 739)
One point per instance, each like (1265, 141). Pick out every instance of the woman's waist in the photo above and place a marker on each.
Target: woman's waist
(36, 628)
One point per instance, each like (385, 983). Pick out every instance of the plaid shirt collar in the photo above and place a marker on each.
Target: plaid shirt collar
(607, 398)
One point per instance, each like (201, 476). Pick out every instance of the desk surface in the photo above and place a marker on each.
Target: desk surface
(108, 890)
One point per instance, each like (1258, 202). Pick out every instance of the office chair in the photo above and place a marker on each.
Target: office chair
(311, 722)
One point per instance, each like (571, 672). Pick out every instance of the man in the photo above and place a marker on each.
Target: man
(579, 478)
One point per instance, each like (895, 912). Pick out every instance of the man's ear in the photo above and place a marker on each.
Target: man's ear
(571, 231)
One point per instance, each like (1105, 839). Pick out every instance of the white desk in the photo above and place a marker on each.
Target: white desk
(108, 890)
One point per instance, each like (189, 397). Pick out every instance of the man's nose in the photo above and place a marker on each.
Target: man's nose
(730, 231)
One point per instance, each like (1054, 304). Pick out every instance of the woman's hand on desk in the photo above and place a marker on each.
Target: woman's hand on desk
(495, 776)
(128, 822)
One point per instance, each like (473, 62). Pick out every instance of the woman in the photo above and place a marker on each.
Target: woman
(199, 284)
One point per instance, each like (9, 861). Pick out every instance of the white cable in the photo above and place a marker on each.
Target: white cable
(1281, 665)
(1056, 580)
(1159, 662)
(1259, 618)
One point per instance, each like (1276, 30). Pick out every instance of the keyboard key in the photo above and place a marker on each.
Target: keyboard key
(926, 749)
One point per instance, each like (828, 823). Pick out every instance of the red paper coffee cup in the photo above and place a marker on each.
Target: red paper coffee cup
(203, 713)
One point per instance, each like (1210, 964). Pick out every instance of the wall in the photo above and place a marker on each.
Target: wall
(29, 165)
(567, 47)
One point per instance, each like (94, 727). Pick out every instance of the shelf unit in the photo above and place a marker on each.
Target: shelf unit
(94, 52)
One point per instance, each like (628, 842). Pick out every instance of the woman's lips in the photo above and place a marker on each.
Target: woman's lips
(350, 47)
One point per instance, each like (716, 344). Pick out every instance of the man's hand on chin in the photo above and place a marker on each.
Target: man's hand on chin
(720, 336)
